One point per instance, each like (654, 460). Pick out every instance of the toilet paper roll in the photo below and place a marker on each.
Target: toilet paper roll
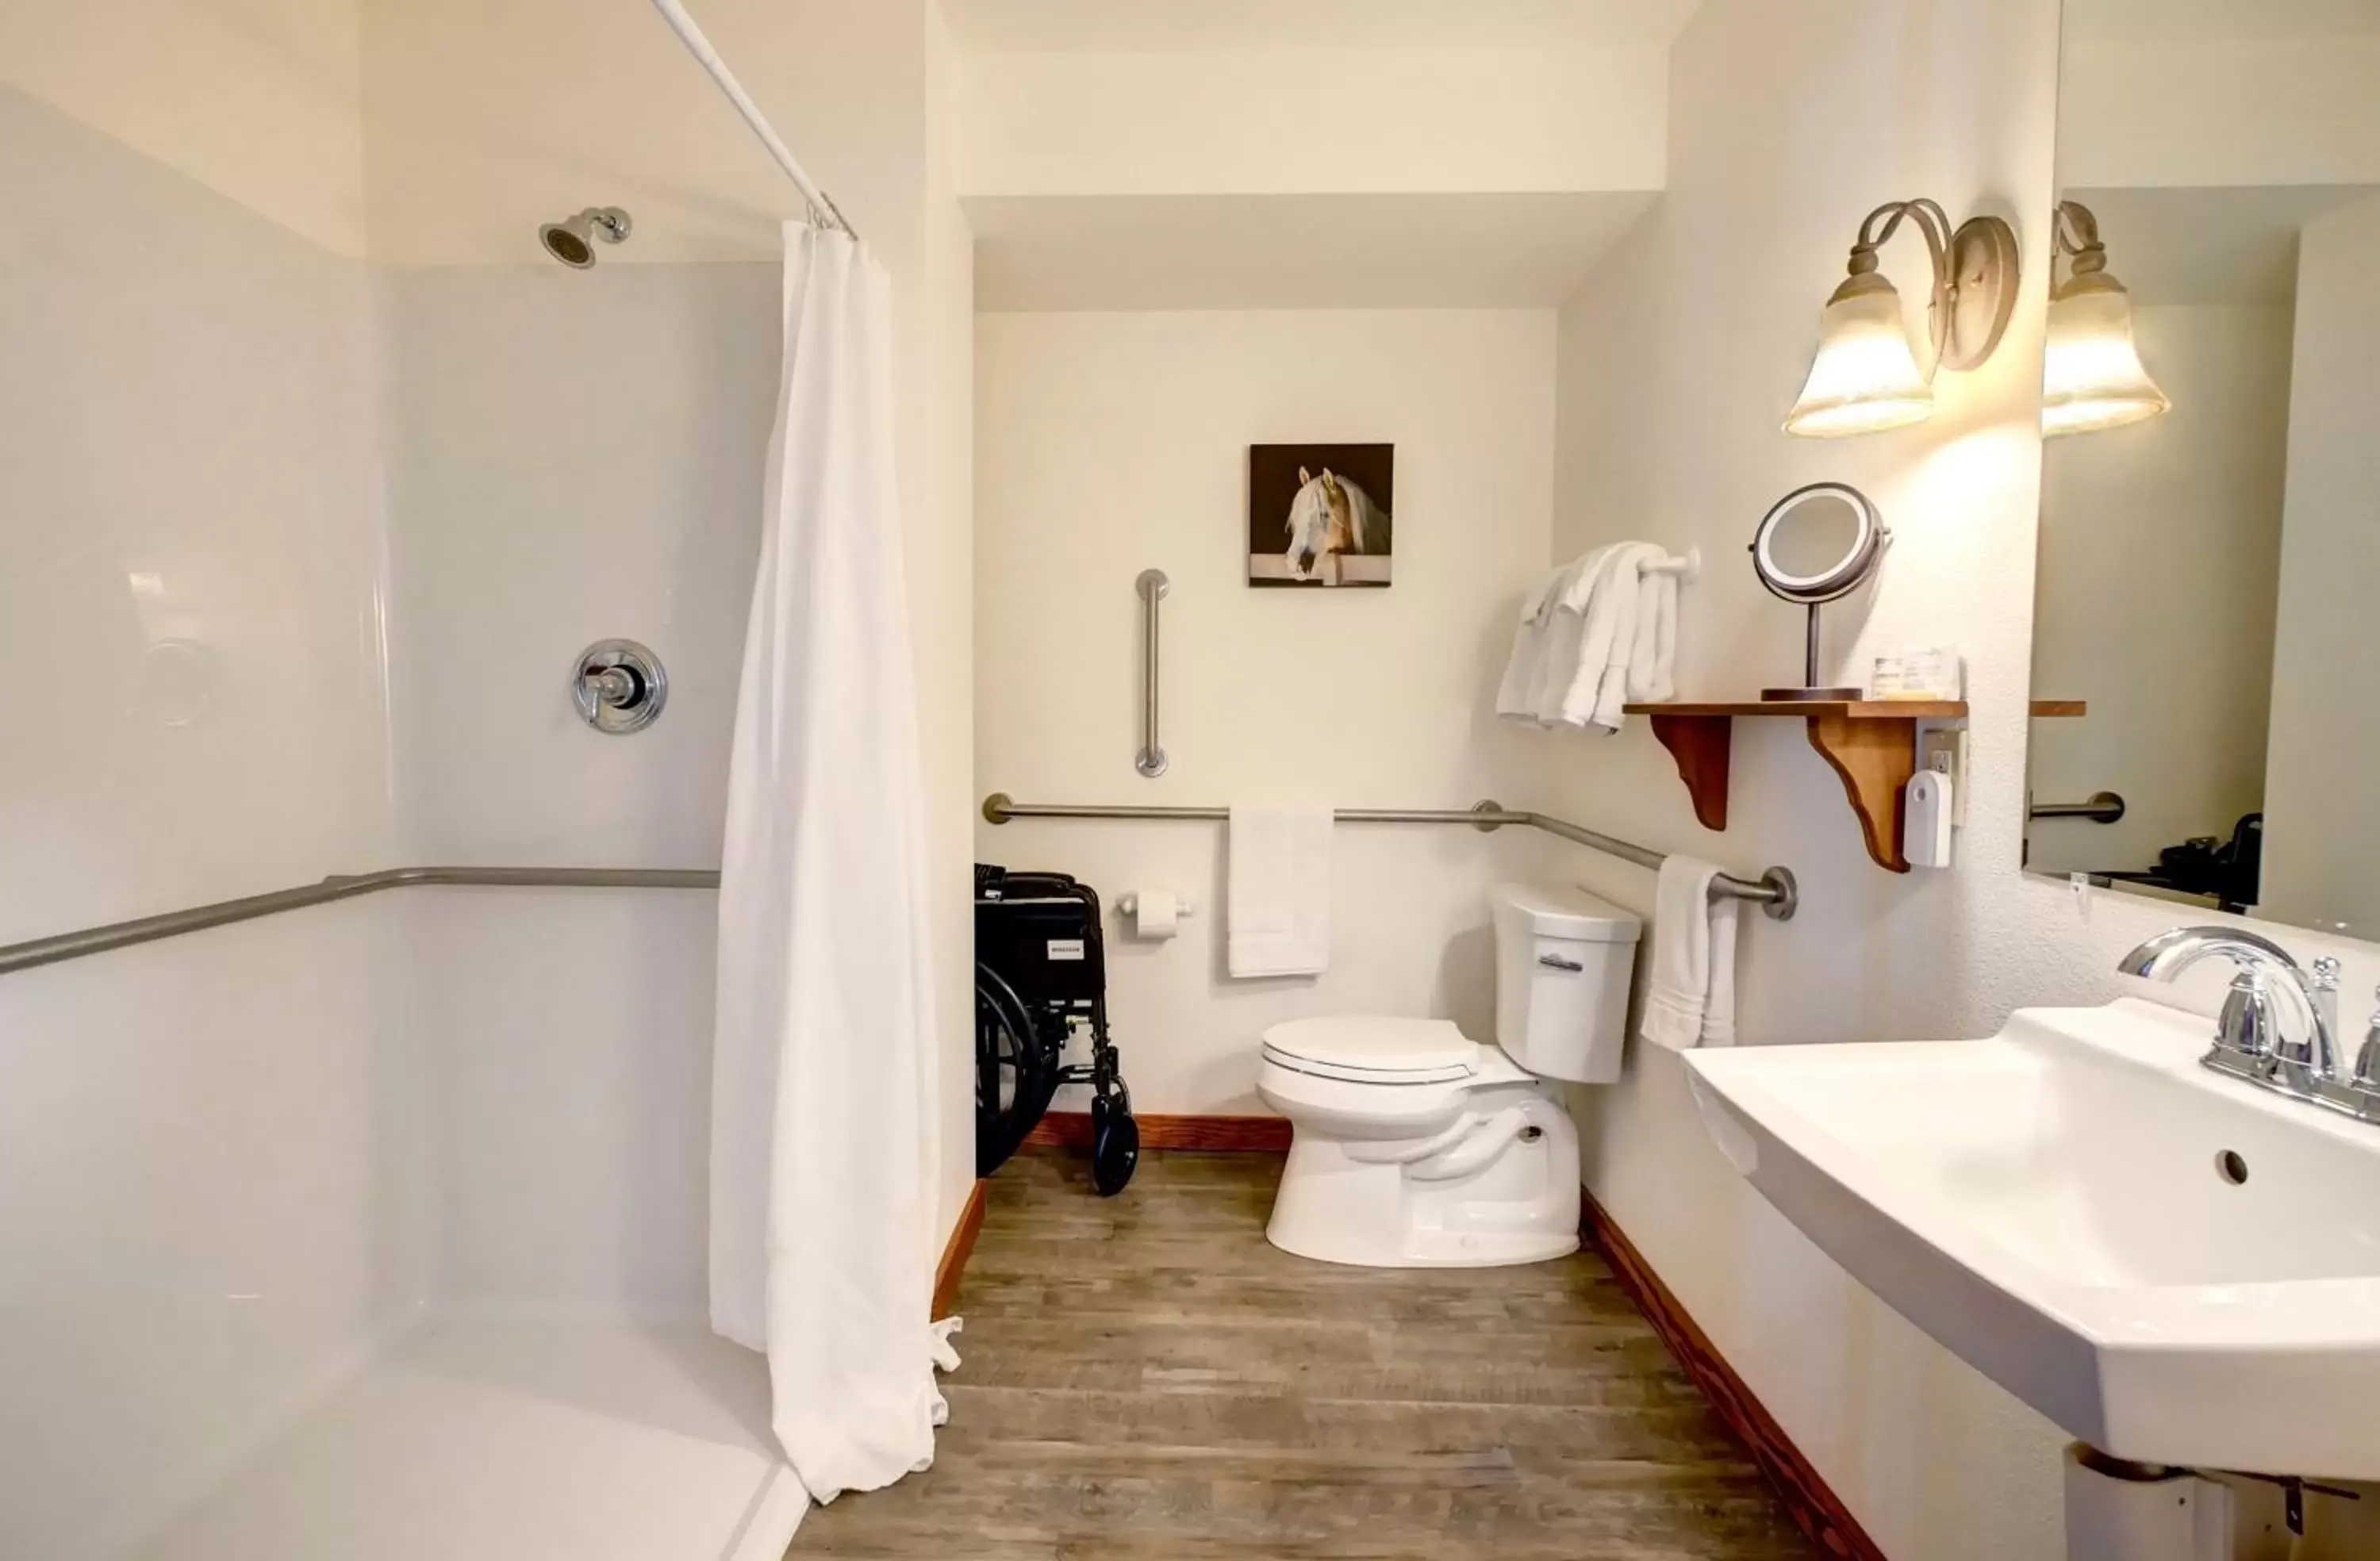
(1155, 913)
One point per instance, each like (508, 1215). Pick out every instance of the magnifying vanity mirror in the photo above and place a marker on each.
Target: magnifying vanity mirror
(2204, 649)
(1816, 545)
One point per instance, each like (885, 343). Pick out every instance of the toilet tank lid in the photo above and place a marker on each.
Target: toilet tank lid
(1566, 913)
(1375, 1043)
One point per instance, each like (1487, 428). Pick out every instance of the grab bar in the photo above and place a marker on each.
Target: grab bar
(223, 912)
(1152, 585)
(1775, 891)
(2105, 807)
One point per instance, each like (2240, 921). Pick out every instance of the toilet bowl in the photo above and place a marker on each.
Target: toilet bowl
(1414, 1146)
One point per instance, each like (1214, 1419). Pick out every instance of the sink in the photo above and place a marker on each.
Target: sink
(2174, 1265)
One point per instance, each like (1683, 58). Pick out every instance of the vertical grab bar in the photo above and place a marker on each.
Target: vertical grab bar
(1152, 586)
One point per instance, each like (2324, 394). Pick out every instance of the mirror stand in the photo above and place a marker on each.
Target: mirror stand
(1809, 689)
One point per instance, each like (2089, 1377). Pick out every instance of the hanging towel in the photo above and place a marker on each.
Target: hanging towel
(1599, 633)
(1690, 994)
(1279, 910)
(824, 1108)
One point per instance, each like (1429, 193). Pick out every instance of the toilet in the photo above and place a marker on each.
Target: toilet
(1414, 1146)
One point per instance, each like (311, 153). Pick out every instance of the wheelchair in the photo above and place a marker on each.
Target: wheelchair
(1040, 972)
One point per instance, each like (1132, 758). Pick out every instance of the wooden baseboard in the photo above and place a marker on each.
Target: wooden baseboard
(956, 1253)
(1072, 1129)
(1816, 1510)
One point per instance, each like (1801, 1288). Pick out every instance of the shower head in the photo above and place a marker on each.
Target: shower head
(573, 242)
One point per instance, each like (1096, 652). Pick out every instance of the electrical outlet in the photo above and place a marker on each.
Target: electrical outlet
(1944, 750)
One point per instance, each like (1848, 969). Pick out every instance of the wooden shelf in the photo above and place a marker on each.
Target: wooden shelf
(1871, 744)
(2060, 707)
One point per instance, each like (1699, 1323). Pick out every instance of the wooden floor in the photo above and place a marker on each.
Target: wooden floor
(1144, 1377)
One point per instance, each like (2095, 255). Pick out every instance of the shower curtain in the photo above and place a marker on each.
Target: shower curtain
(822, 1111)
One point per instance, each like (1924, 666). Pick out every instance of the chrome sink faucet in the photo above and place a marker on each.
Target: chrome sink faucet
(2253, 1041)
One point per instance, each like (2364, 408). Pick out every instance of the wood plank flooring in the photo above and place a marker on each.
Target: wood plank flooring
(1145, 1377)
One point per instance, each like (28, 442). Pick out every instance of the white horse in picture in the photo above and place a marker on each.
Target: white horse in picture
(1330, 517)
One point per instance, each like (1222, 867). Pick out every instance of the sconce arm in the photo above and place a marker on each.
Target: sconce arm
(1935, 223)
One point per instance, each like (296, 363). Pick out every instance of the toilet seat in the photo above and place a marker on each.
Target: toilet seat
(1377, 1051)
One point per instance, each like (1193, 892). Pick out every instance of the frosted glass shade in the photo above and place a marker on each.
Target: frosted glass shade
(2092, 376)
(1864, 377)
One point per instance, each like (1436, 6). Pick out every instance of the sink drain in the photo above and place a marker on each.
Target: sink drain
(2232, 1168)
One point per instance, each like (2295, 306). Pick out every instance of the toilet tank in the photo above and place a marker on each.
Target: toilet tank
(1563, 962)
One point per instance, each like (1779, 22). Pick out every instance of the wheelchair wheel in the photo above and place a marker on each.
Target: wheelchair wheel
(1115, 1144)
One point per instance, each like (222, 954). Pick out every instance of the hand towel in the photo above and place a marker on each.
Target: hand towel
(1598, 633)
(1598, 686)
(1279, 897)
(1536, 657)
(1690, 993)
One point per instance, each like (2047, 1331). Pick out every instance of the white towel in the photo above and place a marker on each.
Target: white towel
(1280, 911)
(1690, 994)
(1520, 696)
(1601, 631)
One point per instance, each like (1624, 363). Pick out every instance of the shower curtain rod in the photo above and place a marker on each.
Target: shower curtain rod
(690, 33)
(1775, 891)
(223, 912)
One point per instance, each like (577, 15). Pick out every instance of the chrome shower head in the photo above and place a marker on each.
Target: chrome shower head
(573, 242)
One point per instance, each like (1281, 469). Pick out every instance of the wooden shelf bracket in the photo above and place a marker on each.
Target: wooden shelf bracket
(1870, 745)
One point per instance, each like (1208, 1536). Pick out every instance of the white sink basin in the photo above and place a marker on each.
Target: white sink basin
(2053, 1206)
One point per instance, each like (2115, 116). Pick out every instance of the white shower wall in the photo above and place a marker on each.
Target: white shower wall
(575, 456)
(213, 1172)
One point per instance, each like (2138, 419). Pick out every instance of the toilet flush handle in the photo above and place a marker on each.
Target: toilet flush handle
(1555, 961)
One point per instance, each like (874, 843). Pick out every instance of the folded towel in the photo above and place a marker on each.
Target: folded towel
(1280, 899)
(1601, 632)
(1690, 992)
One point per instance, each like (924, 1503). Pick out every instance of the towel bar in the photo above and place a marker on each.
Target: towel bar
(1774, 891)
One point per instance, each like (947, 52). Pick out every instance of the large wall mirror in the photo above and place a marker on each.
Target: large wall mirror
(2208, 610)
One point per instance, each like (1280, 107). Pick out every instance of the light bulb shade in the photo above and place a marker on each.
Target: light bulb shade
(2092, 375)
(1864, 377)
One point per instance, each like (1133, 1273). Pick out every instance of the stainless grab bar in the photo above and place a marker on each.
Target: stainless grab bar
(1775, 891)
(223, 912)
(2105, 807)
(1152, 585)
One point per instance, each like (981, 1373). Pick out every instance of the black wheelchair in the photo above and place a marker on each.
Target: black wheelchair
(1041, 971)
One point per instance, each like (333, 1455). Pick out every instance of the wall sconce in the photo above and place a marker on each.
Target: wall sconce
(1864, 377)
(2092, 377)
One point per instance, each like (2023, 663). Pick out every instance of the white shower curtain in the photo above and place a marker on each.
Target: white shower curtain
(822, 1092)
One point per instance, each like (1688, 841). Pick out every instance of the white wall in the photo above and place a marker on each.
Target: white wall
(576, 455)
(1677, 363)
(2320, 863)
(1302, 122)
(2158, 105)
(1112, 443)
(256, 100)
(210, 1150)
(483, 121)
(2159, 558)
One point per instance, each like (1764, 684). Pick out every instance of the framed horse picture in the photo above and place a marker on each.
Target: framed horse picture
(1318, 514)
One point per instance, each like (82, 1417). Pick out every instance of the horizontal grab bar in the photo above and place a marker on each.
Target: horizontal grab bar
(1774, 891)
(2105, 807)
(223, 913)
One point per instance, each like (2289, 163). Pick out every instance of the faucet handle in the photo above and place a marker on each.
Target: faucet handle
(2247, 1028)
(2366, 1079)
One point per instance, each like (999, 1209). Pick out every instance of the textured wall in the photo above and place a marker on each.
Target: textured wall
(1677, 361)
(1112, 443)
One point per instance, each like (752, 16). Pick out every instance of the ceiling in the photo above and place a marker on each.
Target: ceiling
(2227, 245)
(1197, 26)
(2135, 20)
(1292, 251)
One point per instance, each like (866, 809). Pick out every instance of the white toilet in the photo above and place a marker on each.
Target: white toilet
(1414, 1146)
